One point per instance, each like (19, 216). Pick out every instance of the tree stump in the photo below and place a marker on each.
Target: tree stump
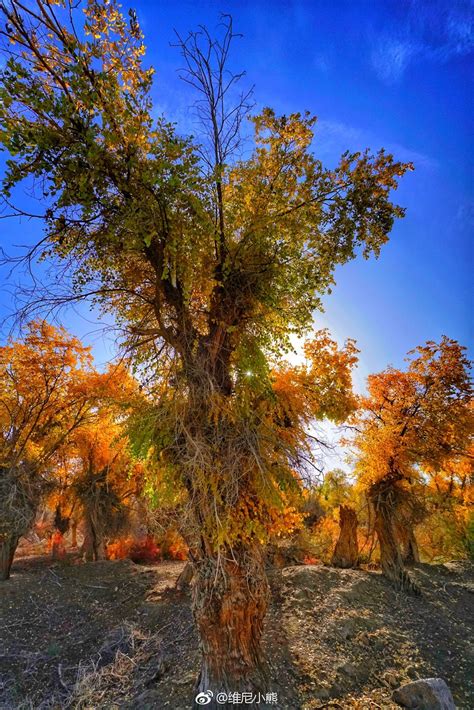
(346, 552)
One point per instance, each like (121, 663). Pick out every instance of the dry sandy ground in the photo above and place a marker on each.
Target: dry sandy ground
(116, 635)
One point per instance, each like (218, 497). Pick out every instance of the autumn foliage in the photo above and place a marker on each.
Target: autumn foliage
(411, 424)
(48, 390)
(210, 260)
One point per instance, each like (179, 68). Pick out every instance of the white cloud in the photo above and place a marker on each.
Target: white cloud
(433, 31)
(391, 57)
(334, 137)
(321, 63)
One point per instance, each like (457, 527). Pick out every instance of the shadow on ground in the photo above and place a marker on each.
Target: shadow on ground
(118, 635)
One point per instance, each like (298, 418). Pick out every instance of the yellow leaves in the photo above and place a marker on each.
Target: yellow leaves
(284, 522)
(255, 518)
(49, 392)
(415, 418)
(276, 131)
(99, 444)
(150, 234)
(322, 388)
(39, 401)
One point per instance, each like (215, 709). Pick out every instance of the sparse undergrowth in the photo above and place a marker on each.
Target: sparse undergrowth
(116, 635)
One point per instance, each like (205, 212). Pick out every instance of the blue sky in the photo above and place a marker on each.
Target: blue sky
(377, 73)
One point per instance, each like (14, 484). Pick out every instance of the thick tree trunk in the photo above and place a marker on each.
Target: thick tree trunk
(87, 549)
(410, 512)
(93, 547)
(411, 553)
(8, 545)
(58, 550)
(391, 559)
(99, 549)
(230, 598)
(18, 505)
(346, 552)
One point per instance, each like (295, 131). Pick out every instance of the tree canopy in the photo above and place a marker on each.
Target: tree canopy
(416, 419)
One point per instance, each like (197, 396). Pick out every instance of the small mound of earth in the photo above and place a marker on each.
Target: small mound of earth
(353, 639)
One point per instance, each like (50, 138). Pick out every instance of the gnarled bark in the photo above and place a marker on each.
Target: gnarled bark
(58, 550)
(61, 525)
(73, 532)
(383, 500)
(230, 599)
(409, 545)
(346, 552)
(183, 583)
(8, 545)
(93, 547)
(410, 512)
(19, 498)
(104, 512)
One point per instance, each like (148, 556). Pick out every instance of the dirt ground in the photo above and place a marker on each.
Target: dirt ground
(109, 635)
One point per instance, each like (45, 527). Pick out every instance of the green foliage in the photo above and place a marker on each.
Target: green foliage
(335, 489)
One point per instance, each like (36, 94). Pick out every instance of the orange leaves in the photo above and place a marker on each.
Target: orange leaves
(330, 381)
(39, 402)
(145, 550)
(415, 418)
(292, 406)
(115, 386)
(103, 446)
(324, 536)
(173, 546)
(284, 522)
(321, 388)
(258, 519)
(56, 410)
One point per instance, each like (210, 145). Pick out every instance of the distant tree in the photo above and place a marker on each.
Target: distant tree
(45, 392)
(447, 528)
(337, 499)
(107, 482)
(209, 260)
(336, 488)
(410, 420)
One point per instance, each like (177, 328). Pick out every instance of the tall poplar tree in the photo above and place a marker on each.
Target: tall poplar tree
(209, 261)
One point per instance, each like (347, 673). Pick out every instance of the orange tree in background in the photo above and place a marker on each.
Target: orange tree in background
(410, 420)
(95, 478)
(209, 261)
(45, 387)
(448, 531)
(60, 503)
(106, 483)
